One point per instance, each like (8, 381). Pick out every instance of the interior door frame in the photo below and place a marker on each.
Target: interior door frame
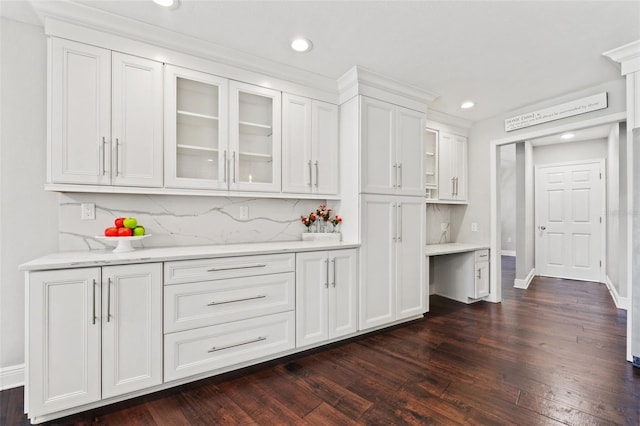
(495, 270)
(603, 209)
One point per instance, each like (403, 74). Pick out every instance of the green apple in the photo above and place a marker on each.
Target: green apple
(130, 222)
(138, 231)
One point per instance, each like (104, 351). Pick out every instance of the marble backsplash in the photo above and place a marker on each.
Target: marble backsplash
(182, 220)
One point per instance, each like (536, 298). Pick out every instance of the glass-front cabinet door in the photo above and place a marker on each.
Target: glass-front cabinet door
(196, 132)
(255, 138)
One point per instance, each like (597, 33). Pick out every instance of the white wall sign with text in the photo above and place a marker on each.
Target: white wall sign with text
(568, 109)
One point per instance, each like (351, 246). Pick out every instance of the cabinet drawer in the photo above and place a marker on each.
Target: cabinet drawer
(211, 348)
(207, 303)
(185, 271)
(482, 255)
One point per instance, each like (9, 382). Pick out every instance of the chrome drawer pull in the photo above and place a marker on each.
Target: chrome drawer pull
(261, 296)
(233, 345)
(230, 268)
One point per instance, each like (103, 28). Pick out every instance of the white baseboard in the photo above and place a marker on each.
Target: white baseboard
(508, 253)
(11, 377)
(621, 302)
(524, 284)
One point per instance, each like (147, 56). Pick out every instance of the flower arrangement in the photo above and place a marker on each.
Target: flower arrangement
(321, 220)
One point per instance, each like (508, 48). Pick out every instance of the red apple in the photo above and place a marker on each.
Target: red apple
(124, 232)
(111, 232)
(120, 222)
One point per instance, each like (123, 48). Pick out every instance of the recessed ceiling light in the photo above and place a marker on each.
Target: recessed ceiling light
(301, 45)
(567, 136)
(467, 105)
(172, 4)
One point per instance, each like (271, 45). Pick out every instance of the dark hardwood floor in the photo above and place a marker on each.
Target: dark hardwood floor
(553, 354)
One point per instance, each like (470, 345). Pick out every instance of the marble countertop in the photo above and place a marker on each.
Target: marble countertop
(80, 259)
(450, 248)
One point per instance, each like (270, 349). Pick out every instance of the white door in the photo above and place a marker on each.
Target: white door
(137, 121)
(131, 328)
(569, 213)
(379, 168)
(342, 292)
(64, 339)
(410, 257)
(312, 287)
(81, 113)
(377, 294)
(409, 152)
(297, 165)
(324, 143)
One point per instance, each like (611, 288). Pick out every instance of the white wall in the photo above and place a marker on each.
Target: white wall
(508, 197)
(483, 132)
(28, 215)
(571, 151)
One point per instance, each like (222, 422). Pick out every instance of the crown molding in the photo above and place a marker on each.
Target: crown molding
(119, 26)
(628, 56)
(444, 118)
(361, 81)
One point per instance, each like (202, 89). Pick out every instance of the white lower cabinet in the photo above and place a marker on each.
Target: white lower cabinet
(326, 285)
(393, 262)
(208, 349)
(227, 311)
(94, 333)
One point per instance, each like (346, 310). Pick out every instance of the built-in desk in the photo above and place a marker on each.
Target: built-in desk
(459, 271)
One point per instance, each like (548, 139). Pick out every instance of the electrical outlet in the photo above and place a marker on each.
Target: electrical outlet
(444, 226)
(474, 226)
(244, 212)
(87, 211)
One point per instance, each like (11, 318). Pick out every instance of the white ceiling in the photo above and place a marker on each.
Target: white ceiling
(501, 54)
(587, 134)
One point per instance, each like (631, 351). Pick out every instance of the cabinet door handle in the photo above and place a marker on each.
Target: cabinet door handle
(108, 299)
(310, 174)
(395, 175)
(104, 155)
(456, 180)
(479, 273)
(233, 345)
(93, 296)
(260, 296)
(395, 221)
(118, 157)
(226, 167)
(400, 175)
(234, 167)
(317, 174)
(453, 186)
(326, 282)
(230, 268)
(333, 261)
(399, 222)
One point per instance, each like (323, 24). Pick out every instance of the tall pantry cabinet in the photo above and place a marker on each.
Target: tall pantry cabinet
(389, 131)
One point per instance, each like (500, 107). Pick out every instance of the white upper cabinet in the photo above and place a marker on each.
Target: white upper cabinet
(254, 138)
(196, 129)
(309, 146)
(136, 135)
(392, 145)
(452, 167)
(80, 113)
(106, 117)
